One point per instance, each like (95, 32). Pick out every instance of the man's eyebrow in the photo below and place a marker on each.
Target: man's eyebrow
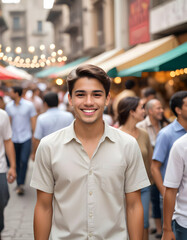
(83, 91)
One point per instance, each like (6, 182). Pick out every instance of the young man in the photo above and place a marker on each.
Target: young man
(23, 116)
(85, 172)
(175, 196)
(7, 146)
(167, 136)
(50, 121)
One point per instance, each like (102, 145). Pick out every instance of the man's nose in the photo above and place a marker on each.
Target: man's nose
(89, 100)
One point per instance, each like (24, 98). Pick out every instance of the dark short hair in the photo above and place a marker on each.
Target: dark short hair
(125, 106)
(148, 91)
(17, 89)
(177, 100)
(129, 84)
(51, 98)
(90, 71)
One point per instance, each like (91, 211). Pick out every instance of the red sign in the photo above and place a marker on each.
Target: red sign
(139, 22)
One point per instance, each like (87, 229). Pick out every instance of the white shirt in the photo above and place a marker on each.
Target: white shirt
(176, 177)
(89, 193)
(5, 134)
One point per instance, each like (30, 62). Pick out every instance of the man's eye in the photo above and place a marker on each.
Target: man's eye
(80, 95)
(97, 95)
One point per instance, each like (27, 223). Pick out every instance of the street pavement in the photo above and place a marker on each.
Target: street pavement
(20, 210)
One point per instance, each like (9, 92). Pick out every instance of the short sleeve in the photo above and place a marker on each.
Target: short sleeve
(6, 130)
(175, 168)
(135, 175)
(32, 110)
(38, 134)
(161, 147)
(42, 177)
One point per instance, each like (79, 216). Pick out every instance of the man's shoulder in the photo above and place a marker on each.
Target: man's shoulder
(3, 115)
(181, 142)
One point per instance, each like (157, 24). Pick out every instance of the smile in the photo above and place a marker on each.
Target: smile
(89, 111)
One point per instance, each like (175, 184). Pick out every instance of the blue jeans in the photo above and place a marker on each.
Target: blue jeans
(179, 231)
(4, 197)
(23, 151)
(145, 197)
(155, 200)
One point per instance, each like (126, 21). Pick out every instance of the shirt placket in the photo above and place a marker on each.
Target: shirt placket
(91, 203)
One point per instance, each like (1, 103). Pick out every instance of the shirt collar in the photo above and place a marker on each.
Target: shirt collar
(20, 102)
(148, 121)
(70, 133)
(177, 126)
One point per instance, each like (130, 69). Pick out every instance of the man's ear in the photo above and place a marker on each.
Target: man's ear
(178, 110)
(107, 99)
(70, 100)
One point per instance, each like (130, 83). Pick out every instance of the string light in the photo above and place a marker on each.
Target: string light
(32, 62)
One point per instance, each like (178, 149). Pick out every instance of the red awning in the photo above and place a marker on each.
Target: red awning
(5, 74)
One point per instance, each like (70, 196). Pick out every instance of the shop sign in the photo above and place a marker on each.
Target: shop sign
(139, 21)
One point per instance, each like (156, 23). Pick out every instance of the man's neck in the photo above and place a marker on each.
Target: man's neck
(88, 132)
(182, 122)
(17, 100)
(154, 122)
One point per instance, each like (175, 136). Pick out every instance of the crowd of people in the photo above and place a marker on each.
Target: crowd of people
(96, 179)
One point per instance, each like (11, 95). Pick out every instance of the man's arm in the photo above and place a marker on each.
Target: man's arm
(155, 171)
(134, 210)
(35, 146)
(43, 215)
(33, 123)
(169, 204)
(10, 151)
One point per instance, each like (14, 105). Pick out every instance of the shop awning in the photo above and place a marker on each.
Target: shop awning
(6, 75)
(46, 72)
(139, 54)
(95, 60)
(67, 67)
(171, 60)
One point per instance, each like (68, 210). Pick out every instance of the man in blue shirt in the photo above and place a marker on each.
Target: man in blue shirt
(167, 136)
(22, 114)
(50, 121)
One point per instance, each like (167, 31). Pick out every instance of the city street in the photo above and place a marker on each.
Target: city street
(19, 213)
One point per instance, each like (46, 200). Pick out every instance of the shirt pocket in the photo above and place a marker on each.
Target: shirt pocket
(112, 178)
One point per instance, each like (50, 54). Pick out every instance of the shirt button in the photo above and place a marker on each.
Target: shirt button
(90, 172)
(90, 193)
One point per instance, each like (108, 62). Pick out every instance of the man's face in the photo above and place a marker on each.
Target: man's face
(184, 109)
(12, 94)
(157, 111)
(88, 100)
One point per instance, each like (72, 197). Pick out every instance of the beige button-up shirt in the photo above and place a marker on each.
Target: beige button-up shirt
(89, 193)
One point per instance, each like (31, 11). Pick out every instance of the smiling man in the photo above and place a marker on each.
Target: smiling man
(88, 176)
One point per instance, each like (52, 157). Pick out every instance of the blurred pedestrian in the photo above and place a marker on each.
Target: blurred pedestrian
(152, 124)
(166, 137)
(88, 170)
(7, 146)
(50, 121)
(175, 196)
(23, 116)
(130, 112)
(129, 91)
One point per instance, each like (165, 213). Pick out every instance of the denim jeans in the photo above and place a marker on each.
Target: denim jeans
(155, 200)
(179, 231)
(4, 196)
(23, 151)
(145, 197)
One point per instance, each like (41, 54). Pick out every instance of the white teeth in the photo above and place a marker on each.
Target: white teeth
(88, 111)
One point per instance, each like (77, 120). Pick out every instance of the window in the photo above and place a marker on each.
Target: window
(16, 22)
(39, 26)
